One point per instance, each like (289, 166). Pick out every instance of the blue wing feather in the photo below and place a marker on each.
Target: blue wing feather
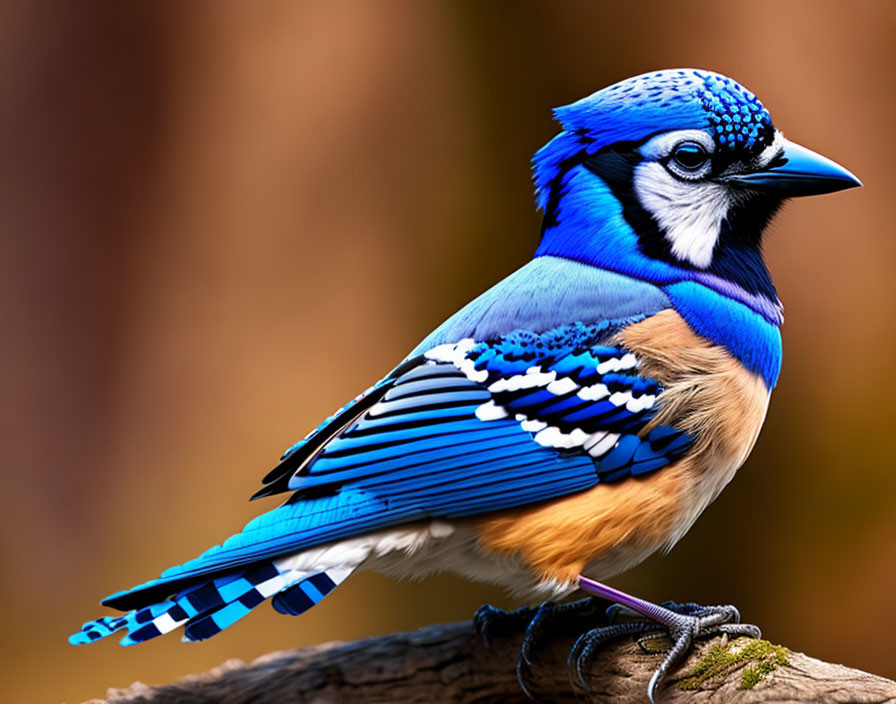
(413, 447)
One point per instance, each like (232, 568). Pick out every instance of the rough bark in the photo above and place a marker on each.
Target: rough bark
(449, 663)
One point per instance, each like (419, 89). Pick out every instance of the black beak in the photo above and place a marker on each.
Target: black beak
(798, 171)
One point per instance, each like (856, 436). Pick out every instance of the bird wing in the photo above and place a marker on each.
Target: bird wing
(466, 428)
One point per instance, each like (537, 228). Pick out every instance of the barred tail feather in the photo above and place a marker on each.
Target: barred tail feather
(294, 599)
(310, 591)
(157, 617)
(296, 583)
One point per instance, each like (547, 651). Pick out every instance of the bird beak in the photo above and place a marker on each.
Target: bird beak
(798, 171)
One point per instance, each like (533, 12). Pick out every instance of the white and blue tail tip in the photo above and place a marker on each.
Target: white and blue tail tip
(208, 608)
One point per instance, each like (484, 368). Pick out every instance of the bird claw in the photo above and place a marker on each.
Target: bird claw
(490, 620)
(585, 647)
(547, 615)
(740, 629)
(684, 623)
(534, 631)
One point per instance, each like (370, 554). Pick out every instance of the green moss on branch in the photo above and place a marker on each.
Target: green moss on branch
(760, 658)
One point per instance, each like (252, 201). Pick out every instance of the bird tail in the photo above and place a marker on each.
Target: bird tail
(295, 583)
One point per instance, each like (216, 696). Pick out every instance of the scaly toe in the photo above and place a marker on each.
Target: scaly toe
(587, 645)
(489, 621)
(550, 615)
(740, 629)
(534, 631)
(683, 641)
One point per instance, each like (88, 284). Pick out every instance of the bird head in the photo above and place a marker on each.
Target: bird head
(676, 172)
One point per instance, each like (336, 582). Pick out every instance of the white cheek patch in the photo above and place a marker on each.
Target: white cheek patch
(690, 214)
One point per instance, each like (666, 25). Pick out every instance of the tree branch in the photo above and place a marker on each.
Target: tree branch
(448, 663)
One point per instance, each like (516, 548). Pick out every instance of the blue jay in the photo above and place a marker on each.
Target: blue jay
(572, 420)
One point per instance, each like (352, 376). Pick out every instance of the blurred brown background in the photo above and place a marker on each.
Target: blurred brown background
(221, 220)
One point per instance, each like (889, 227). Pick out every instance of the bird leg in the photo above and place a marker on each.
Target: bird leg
(684, 623)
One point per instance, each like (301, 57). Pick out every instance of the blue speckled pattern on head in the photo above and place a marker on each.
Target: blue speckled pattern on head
(739, 120)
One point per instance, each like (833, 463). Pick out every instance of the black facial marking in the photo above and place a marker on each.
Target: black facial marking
(616, 167)
(737, 256)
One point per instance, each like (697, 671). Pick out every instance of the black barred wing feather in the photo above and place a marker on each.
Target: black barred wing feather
(461, 414)
(297, 456)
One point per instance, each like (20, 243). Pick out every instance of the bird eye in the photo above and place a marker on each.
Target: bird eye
(689, 156)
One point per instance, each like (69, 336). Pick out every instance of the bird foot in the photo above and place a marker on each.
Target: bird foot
(490, 621)
(684, 624)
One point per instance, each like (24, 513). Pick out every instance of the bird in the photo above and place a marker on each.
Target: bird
(572, 420)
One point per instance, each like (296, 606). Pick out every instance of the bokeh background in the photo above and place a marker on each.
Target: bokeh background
(221, 220)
